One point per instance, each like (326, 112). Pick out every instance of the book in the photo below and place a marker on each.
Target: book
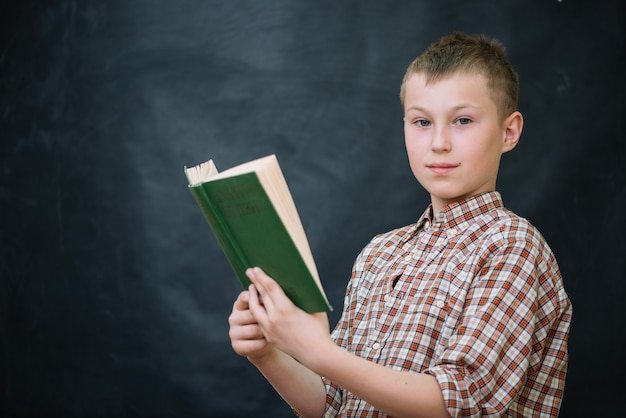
(253, 216)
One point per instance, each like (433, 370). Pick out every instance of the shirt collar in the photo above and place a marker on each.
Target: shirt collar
(457, 214)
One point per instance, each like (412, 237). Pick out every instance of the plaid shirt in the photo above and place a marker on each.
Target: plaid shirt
(473, 297)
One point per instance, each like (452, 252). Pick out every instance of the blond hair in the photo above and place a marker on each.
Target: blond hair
(477, 54)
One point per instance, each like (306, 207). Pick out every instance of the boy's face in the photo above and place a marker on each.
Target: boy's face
(454, 137)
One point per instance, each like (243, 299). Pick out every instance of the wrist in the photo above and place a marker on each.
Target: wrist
(268, 356)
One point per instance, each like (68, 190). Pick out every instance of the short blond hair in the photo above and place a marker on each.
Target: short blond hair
(471, 54)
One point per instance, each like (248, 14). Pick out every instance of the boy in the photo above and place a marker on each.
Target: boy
(461, 314)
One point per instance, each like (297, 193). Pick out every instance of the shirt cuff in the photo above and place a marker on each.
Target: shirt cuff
(449, 389)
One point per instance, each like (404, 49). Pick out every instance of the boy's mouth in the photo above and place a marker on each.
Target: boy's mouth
(441, 168)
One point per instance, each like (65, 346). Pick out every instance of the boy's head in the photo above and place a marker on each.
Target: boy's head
(459, 99)
(462, 53)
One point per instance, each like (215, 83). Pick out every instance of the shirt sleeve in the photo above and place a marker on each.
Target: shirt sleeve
(500, 338)
(340, 334)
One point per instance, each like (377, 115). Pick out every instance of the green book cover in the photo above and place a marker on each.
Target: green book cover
(252, 214)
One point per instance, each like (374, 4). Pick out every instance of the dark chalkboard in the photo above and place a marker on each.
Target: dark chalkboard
(114, 296)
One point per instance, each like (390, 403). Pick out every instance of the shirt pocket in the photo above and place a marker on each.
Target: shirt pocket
(421, 333)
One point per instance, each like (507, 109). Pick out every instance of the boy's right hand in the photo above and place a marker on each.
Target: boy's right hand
(245, 334)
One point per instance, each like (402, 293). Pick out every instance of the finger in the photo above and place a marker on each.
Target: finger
(241, 314)
(246, 332)
(256, 307)
(245, 341)
(270, 292)
(248, 347)
(239, 318)
(259, 280)
(241, 303)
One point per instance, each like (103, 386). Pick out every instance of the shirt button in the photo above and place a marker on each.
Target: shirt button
(451, 233)
(376, 346)
(387, 297)
(407, 258)
(426, 225)
(440, 303)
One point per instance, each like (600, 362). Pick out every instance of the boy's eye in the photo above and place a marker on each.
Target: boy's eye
(463, 121)
(422, 122)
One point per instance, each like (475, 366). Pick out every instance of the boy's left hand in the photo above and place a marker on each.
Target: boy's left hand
(283, 324)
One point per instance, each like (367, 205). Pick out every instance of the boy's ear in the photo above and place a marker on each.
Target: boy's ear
(513, 125)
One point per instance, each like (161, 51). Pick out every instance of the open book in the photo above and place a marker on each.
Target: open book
(255, 220)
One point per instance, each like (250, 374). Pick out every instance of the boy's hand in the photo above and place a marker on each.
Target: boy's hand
(283, 324)
(245, 334)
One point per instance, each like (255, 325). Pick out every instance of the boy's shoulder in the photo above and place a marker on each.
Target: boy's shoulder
(508, 225)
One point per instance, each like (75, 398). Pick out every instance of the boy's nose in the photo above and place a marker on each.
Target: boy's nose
(441, 140)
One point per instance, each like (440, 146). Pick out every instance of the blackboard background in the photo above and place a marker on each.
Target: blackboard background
(114, 296)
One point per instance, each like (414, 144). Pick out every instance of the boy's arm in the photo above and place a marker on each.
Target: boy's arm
(301, 388)
(298, 386)
(398, 393)
(304, 338)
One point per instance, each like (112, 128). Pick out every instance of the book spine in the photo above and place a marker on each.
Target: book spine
(222, 232)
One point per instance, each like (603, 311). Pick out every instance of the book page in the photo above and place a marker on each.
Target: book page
(200, 173)
(249, 167)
